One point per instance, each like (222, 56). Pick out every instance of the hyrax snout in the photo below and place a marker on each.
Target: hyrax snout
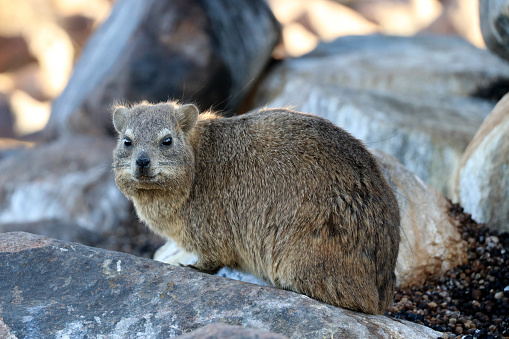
(286, 196)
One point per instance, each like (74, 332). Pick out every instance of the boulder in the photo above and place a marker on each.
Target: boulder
(424, 65)
(52, 288)
(205, 51)
(69, 180)
(430, 241)
(481, 182)
(494, 17)
(405, 96)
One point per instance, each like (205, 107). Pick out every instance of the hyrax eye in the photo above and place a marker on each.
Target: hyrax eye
(127, 142)
(166, 141)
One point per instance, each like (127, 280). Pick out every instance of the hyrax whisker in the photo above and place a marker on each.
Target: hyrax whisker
(183, 162)
(287, 196)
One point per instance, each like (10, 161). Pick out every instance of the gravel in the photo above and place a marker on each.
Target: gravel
(470, 301)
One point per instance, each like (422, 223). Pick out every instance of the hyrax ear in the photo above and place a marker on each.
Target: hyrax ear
(120, 115)
(187, 115)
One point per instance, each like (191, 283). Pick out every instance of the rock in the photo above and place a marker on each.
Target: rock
(431, 243)
(55, 289)
(57, 229)
(405, 96)
(69, 180)
(154, 50)
(423, 65)
(224, 331)
(494, 17)
(481, 182)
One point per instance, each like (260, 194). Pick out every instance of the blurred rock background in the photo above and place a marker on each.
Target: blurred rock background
(40, 41)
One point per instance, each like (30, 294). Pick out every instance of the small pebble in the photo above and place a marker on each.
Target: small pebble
(499, 295)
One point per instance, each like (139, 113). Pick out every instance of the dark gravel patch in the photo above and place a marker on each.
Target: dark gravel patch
(470, 301)
(133, 238)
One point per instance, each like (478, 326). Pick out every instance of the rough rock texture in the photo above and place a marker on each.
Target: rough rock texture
(494, 17)
(405, 96)
(223, 331)
(430, 241)
(424, 65)
(154, 50)
(482, 179)
(69, 180)
(56, 289)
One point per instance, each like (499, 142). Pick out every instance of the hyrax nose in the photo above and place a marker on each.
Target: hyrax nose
(143, 162)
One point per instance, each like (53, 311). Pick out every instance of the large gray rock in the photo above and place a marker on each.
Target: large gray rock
(405, 96)
(482, 179)
(56, 289)
(205, 51)
(424, 65)
(69, 180)
(494, 17)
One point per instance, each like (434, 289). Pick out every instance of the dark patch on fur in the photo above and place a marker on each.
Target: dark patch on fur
(332, 228)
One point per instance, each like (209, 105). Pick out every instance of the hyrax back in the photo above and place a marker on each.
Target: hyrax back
(286, 196)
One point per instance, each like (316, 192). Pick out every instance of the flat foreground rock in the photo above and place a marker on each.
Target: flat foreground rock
(52, 288)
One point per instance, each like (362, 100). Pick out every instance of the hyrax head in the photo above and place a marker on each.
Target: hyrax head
(153, 150)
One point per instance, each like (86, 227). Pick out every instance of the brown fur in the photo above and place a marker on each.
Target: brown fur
(286, 196)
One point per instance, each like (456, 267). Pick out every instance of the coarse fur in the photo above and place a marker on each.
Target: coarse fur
(286, 196)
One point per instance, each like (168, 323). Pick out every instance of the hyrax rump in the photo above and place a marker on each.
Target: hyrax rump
(286, 196)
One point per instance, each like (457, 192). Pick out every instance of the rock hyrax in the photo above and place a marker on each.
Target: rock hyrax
(286, 196)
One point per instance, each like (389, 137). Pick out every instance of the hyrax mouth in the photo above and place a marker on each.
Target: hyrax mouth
(144, 175)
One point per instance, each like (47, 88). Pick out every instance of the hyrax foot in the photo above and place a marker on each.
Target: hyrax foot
(208, 268)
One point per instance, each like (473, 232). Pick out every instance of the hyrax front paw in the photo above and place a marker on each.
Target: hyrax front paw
(204, 267)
